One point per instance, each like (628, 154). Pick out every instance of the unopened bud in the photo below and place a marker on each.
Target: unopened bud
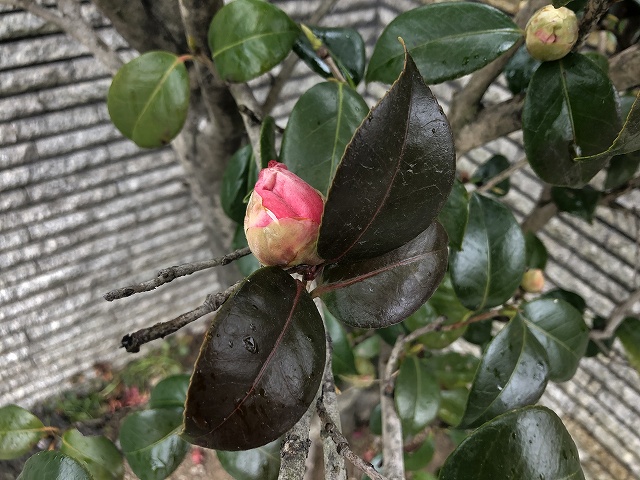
(551, 33)
(533, 281)
(283, 218)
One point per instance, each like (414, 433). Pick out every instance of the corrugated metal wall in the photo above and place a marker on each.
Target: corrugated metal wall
(83, 210)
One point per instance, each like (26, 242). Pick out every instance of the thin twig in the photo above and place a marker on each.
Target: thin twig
(342, 445)
(69, 18)
(132, 342)
(492, 182)
(251, 113)
(167, 275)
(617, 317)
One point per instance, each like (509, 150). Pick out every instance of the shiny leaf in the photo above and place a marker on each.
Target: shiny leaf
(20, 431)
(479, 333)
(235, 181)
(149, 98)
(268, 150)
(489, 169)
(561, 331)
(346, 47)
(519, 70)
(536, 252)
(621, 169)
(447, 40)
(385, 290)
(417, 395)
(627, 141)
(629, 334)
(568, 296)
(342, 359)
(488, 269)
(52, 465)
(170, 392)
(394, 177)
(455, 214)
(249, 37)
(259, 366)
(97, 454)
(453, 369)
(452, 405)
(581, 202)
(320, 127)
(530, 443)
(262, 463)
(150, 442)
(569, 111)
(513, 372)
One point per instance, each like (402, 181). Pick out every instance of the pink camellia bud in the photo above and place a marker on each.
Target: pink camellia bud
(283, 218)
(533, 281)
(551, 33)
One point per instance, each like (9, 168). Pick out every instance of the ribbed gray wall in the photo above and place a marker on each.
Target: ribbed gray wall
(83, 210)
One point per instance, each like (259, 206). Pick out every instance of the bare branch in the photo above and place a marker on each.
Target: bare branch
(342, 446)
(392, 450)
(617, 317)
(251, 113)
(132, 342)
(167, 275)
(593, 12)
(503, 175)
(68, 17)
(295, 447)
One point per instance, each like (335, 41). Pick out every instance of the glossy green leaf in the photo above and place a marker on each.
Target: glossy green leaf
(20, 431)
(419, 459)
(519, 70)
(568, 296)
(488, 269)
(247, 264)
(479, 333)
(570, 111)
(452, 405)
(453, 369)
(621, 169)
(249, 37)
(442, 303)
(581, 202)
(268, 150)
(599, 59)
(52, 465)
(455, 214)
(629, 334)
(530, 443)
(259, 366)
(489, 169)
(346, 47)
(235, 184)
(513, 372)
(170, 392)
(561, 331)
(342, 359)
(391, 333)
(447, 40)
(627, 141)
(536, 252)
(151, 444)
(385, 290)
(320, 127)
(97, 454)
(417, 395)
(149, 98)
(262, 463)
(394, 177)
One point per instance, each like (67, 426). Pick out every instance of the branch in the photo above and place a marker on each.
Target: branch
(617, 317)
(593, 12)
(167, 275)
(290, 62)
(492, 182)
(624, 68)
(295, 447)
(342, 446)
(132, 342)
(392, 450)
(251, 113)
(68, 17)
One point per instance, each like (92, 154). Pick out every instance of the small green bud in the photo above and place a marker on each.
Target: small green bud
(551, 33)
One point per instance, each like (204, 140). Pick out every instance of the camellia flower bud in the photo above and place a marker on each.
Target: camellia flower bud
(533, 281)
(551, 33)
(283, 218)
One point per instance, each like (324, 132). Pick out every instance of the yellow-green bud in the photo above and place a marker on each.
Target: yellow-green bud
(533, 281)
(551, 33)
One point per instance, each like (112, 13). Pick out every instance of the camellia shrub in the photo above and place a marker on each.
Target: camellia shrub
(357, 222)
